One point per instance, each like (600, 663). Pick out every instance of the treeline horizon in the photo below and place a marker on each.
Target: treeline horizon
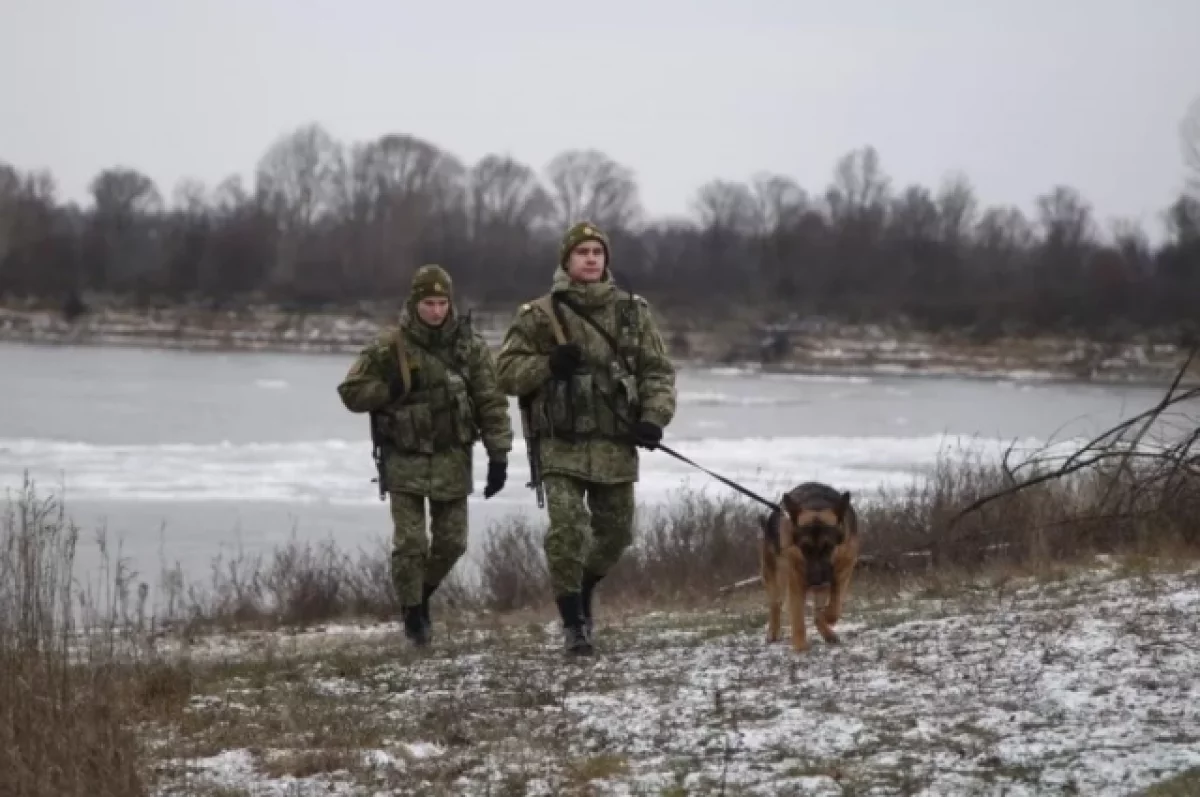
(333, 223)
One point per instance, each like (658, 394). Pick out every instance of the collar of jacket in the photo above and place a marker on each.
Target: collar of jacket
(421, 332)
(585, 294)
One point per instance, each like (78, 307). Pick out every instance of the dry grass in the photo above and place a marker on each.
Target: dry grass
(63, 706)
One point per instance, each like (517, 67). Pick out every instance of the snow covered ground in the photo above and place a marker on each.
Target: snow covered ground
(1081, 684)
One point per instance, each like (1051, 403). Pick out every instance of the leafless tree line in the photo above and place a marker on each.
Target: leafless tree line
(332, 223)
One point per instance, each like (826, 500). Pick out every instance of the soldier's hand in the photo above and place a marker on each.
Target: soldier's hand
(647, 435)
(497, 474)
(565, 358)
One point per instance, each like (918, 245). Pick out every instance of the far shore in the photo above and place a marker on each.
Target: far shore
(805, 346)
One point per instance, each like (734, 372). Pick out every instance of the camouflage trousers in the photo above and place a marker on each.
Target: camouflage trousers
(416, 559)
(591, 525)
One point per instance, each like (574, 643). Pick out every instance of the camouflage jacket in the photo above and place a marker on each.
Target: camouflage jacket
(431, 430)
(577, 422)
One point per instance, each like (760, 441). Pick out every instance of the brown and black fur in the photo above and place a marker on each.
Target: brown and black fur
(811, 546)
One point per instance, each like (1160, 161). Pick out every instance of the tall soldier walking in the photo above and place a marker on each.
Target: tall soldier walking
(591, 371)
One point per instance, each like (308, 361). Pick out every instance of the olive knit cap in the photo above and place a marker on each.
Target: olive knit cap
(432, 280)
(577, 234)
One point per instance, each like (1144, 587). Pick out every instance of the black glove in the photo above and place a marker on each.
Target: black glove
(496, 476)
(647, 434)
(565, 358)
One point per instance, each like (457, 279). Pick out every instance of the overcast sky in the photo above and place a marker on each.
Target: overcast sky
(1019, 95)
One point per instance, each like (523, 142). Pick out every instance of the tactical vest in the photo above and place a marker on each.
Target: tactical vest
(437, 414)
(586, 405)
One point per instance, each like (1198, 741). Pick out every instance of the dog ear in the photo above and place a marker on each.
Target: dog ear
(843, 506)
(790, 506)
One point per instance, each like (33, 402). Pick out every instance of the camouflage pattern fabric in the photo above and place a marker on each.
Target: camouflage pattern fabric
(591, 526)
(455, 400)
(417, 559)
(578, 432)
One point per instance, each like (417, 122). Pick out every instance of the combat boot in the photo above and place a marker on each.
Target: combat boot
(575, 639)
(414, 626)
(588, 586)
(425, 596)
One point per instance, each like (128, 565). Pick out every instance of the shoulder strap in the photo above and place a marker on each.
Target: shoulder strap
(546, 305)
(402, 356)
(449, 365)
(604, 333)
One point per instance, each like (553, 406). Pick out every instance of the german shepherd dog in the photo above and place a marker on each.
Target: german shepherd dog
(812, 545)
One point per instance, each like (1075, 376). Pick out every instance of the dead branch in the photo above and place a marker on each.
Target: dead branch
(1102, 446)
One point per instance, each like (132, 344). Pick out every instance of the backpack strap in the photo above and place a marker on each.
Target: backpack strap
(546, 305)
(402, 357)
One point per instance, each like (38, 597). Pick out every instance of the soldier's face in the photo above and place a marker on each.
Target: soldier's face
(586, 262)
(433, 310)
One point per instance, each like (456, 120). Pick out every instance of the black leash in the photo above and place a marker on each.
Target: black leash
(729, 482)
(629, 424)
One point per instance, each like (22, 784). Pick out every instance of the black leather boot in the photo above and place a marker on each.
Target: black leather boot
(588, 586)
(575, 640)
(414, 626)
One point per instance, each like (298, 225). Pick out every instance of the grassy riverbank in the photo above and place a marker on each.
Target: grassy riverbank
(1042, 643)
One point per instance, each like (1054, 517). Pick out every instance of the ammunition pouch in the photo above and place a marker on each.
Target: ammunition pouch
(584, 406)
(430, 420)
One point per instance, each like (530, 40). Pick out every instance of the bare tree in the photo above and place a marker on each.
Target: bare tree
(1183, 220)
(914, 216)
(1004, 230)
(1190, 135)
(504, 194)
(781, 203)
(298, 176)
(860, 191)
(1065, 218)
(10, 191)
(726, 208)
(402, 190)
(587, 184)
(957, 207)
(297, 180)
(126, 206)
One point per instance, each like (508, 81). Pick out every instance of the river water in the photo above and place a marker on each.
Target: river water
(182, 456)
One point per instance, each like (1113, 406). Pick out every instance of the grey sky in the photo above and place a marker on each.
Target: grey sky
(1017, 94)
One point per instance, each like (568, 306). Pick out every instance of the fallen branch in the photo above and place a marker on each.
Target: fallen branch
(1076, 462)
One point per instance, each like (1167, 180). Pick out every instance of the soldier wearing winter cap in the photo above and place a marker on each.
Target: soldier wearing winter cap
(431, 387)
(589, 399)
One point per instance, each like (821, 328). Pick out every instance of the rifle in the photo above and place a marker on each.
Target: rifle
(378, 455)
(533, 449)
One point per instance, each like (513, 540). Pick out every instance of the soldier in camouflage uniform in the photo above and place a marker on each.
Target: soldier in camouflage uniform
(432, 390)
(588, 406)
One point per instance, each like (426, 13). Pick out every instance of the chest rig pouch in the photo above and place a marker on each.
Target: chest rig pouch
(436, 412)
(600, 401)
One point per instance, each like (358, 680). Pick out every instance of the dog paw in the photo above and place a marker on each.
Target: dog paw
(801, 646)
(831, 637)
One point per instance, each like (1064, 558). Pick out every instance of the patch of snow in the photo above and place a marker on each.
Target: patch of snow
(1086, 685)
